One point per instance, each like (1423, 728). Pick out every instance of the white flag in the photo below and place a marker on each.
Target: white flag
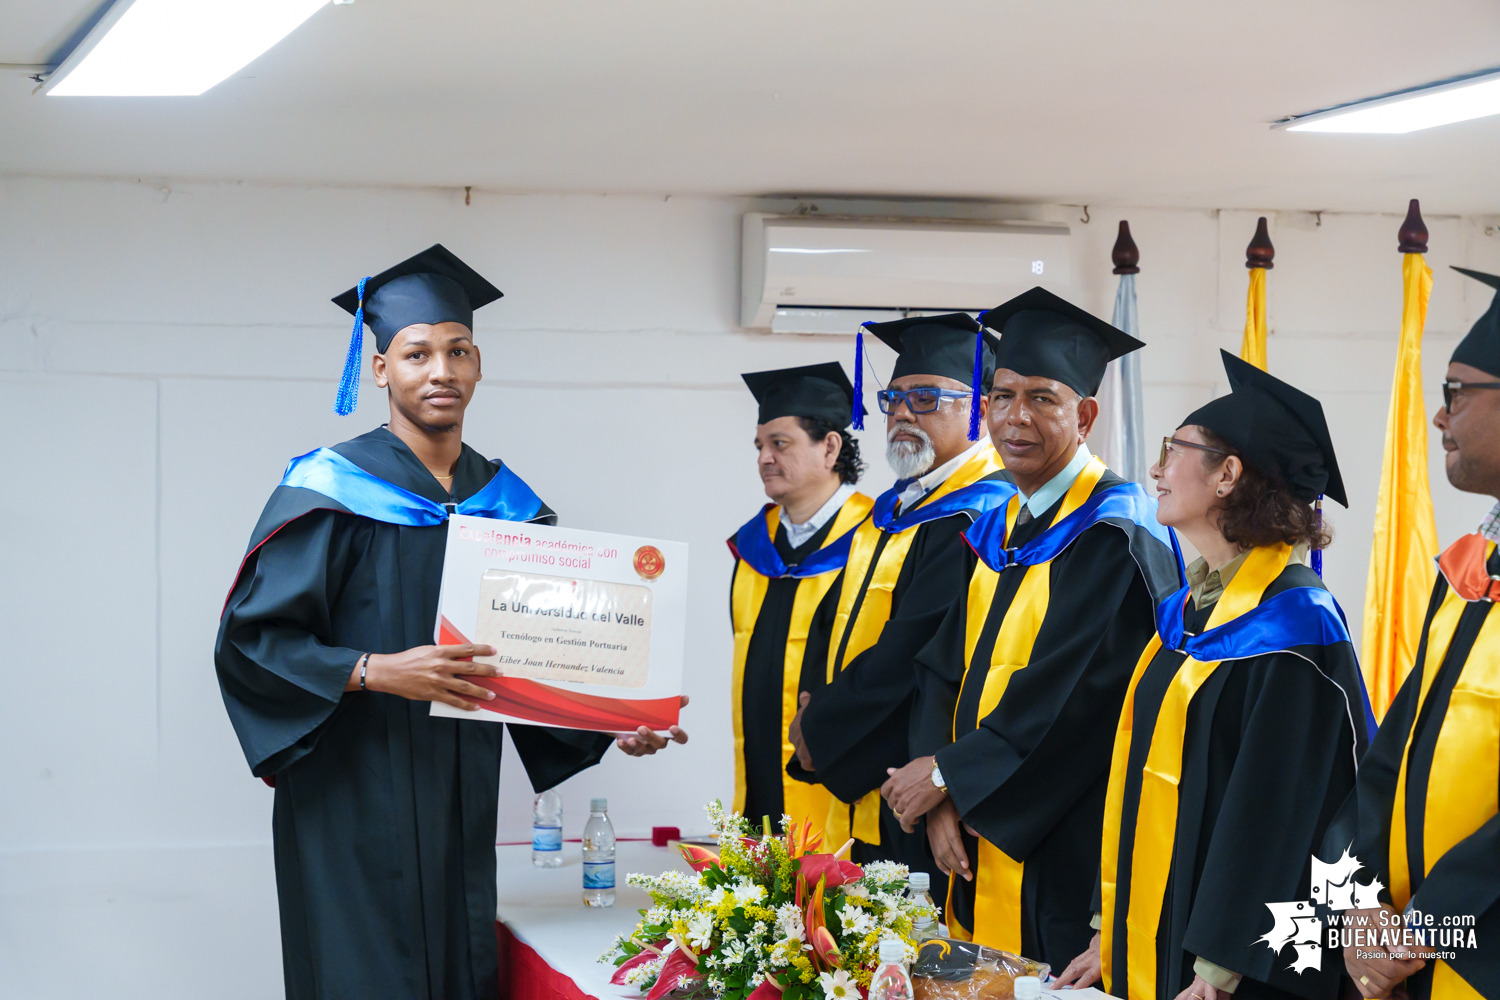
(1119, 434)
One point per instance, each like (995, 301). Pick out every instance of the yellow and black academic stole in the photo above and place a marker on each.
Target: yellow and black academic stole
(1155, 831)
(1463, 783)
(997, 876)
(802, 801)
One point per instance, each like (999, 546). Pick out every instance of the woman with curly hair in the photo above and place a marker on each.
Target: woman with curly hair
(1242, 724)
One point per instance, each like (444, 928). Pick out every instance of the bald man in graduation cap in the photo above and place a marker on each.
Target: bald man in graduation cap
(782, 595)
(384, 818)
(1022, 681)
(907, 563)
(1429, 789)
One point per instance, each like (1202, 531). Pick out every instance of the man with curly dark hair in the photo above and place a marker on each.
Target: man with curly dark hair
(787, 558)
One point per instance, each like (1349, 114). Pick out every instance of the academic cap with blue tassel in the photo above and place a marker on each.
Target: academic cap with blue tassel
(432, 287)
(951, 345)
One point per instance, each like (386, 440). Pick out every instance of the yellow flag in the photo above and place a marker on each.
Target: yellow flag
(1253, 346)
(1401, 568)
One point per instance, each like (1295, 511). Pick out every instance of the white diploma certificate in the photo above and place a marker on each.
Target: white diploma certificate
(587, 627)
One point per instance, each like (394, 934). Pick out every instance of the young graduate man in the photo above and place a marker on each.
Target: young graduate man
(1020, 686)
(907, 563)
(782, 595)
(384, 819)
(1427, 790)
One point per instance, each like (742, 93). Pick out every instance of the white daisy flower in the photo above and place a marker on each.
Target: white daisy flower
(838, 986)
(700, 930)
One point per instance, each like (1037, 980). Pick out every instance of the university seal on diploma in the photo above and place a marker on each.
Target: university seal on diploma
(587, 627)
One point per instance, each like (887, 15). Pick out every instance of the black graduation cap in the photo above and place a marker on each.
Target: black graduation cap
(1277, 428)
(432, 287)
(1480, 348)
(937, 345)
(950, 345)
(821, 391)
(1046, 336)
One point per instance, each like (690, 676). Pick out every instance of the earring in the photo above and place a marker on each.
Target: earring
(1221, 493)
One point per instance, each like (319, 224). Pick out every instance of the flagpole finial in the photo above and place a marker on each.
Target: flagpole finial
(1413, 232)
(1126, 256)
(1260, 253)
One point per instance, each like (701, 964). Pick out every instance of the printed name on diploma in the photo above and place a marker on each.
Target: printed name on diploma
(562, 629)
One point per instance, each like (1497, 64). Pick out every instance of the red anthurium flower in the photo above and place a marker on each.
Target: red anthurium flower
(768, 990)
(833, 871)
(678, 966)
(645, 955)
(698, 858)
(825, 947)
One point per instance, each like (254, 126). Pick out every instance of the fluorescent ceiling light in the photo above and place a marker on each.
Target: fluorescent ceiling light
(811, 250)
(174, 48)
(1408, 111)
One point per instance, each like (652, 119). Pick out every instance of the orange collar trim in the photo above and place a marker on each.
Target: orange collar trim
(1463, 565)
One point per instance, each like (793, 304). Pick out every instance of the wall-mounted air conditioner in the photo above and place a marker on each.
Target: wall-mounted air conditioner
(810, 274)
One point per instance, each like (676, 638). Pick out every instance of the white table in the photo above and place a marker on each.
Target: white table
(544, 908)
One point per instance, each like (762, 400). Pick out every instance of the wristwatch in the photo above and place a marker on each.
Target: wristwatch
(937, 777)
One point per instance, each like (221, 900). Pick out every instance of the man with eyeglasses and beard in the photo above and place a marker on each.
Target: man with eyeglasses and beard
(907, 565)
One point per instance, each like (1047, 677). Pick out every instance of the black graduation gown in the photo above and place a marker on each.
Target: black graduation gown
(1465, 881)
(859, 725)
(1031, 775)
(765, 665)
(1268, 757)
(384, 817)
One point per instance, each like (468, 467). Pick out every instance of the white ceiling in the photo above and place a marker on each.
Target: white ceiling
(1160, 103)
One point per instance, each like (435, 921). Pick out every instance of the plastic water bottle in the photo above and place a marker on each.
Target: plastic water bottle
(598, 856)
(546, 830)
(918, 886)
(891, 981)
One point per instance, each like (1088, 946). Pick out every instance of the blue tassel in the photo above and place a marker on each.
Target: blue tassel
(978, 390)
(348, 397)
(1317, 556)
(858, 416)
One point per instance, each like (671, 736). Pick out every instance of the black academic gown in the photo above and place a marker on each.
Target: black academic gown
(1031, 775)
(764, 677)
(859, 725)
(1268, 757)
(384, 817)
(1464, 881)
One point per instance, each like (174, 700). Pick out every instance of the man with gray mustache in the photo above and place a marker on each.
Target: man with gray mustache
(907, 565)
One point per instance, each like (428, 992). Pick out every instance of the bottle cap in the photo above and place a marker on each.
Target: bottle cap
(919, 881)
(598, 805)
(892, 950)
(1028, 988)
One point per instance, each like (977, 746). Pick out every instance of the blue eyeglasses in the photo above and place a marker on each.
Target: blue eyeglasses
(919, 400)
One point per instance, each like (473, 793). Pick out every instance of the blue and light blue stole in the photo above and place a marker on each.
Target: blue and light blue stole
(1301, 616)
(505, 497)
(979, 497)
(1126, 501)
(753, 544)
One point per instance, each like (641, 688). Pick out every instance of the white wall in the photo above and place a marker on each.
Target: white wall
(165, 348)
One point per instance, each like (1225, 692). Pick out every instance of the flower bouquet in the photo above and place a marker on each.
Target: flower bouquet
(766, 918)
